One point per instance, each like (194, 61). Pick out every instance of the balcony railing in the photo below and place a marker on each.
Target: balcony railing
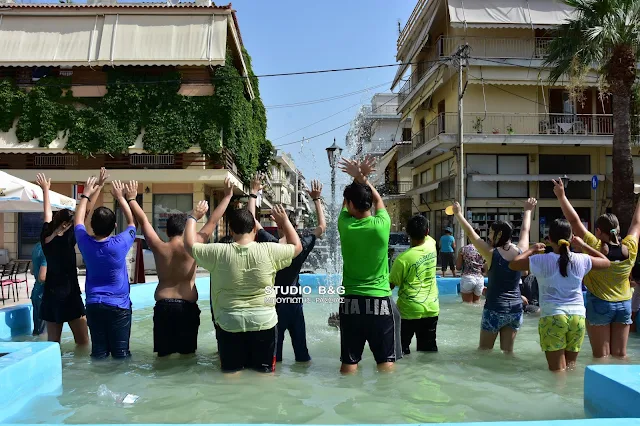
(480, 47)
(394, 188)
(384, 109)
(515, 124)
(376, 147)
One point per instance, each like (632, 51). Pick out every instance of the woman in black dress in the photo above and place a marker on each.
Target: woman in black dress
(62, 300)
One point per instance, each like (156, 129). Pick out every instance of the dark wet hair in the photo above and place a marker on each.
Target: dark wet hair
(608, 224)
(360, 195)
(103, 221)
(227, 239)
(59, 217)
(241, 221)
(505, 228)
(418, 227)
(176, 224)
(560, 229)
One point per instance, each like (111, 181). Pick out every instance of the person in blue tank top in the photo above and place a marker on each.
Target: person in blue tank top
(502, 312)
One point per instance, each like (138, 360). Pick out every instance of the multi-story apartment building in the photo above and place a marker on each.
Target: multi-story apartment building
(84, 43)
(519, 131)
(287, 188)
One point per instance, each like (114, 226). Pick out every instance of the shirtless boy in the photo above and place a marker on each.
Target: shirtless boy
(176, 316)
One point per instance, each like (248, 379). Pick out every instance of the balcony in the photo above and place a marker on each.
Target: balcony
(389, 110)
(509, 128)
(391, 189)
(480, 47)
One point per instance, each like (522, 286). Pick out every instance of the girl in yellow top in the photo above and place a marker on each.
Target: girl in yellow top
(609, 292)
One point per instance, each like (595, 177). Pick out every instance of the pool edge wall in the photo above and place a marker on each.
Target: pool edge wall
(612, 391)
(29, 370)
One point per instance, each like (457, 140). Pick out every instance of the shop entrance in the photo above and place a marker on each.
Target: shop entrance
(549, 214)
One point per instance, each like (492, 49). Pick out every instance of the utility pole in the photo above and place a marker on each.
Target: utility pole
(462, 58)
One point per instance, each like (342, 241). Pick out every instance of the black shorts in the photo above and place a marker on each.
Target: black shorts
(61, 310)
(367, 319)
(425, 332)
(250, 349)
(447, 260)
(175, 327)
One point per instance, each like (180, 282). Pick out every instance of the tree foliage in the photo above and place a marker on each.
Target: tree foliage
(134, 102)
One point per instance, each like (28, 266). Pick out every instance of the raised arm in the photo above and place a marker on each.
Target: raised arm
(118, 191)
(150, 235)
(90, 188)
(634, 229)
(521, 261)
(598, 260)
(190, 234)
(529, 205)
(315, 194)
(280, 217)
(567, 209)
(485, 250)
(45, 184)
(91, 203)
(256, 187)
(360, 172)
(206, 231)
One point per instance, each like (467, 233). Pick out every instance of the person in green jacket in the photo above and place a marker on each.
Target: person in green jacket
(414, 273)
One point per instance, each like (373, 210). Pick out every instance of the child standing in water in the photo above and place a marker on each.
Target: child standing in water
(559, 275)
(502, 312)
(609, 292)
(470, 262)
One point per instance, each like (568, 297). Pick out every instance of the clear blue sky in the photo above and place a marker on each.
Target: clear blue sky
(289, 36)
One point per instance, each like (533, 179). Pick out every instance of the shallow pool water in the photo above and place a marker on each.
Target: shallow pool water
(457, 384)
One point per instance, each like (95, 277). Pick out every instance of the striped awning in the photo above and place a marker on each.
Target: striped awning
(113, 39)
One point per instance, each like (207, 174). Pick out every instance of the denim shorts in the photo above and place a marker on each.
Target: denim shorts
(493, 321)
(602, 312)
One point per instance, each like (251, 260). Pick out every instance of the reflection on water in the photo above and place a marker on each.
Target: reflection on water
(456, 384)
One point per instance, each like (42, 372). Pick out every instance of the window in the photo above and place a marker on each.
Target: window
(423, 178)
(444, 169)
(416, 181)
(164, 205)
(29, 229)
(558, 165)
(484, 217)
(121, 222)
(497, 165)
(446, 190)
(406, 135)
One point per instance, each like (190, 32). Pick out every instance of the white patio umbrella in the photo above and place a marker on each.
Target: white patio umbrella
(17, 196)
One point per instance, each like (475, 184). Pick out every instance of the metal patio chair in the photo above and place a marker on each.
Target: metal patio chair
(5, 280)
(22, 268)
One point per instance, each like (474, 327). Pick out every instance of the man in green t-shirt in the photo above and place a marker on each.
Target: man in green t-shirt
(414, 273)
(366, 314)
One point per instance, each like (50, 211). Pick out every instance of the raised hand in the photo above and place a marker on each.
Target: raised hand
(256, 183)
(577, 243)
(539, 247)
(132, 189)
(279, 215)
(42, 181)
(367, 166)
(103, 176)
(117, 189)
(530, 204)
(201, 209)
(558, 188)
(90, 187)
(351, 167)
(228, 187)
(316, 189)
(456, 208)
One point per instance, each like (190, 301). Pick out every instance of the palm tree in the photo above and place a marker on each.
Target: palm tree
(605, 35)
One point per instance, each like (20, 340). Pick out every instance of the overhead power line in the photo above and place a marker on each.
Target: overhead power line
(321, 100)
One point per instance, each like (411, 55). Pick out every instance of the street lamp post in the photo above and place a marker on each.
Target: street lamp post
(333, 153)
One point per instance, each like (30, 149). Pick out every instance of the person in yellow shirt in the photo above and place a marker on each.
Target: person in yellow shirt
(609, 292)
(241, 274)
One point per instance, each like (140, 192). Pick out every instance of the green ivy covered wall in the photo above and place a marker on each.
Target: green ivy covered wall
(172, 123)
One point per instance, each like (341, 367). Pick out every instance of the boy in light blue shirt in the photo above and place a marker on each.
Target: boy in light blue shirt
(448, 251)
